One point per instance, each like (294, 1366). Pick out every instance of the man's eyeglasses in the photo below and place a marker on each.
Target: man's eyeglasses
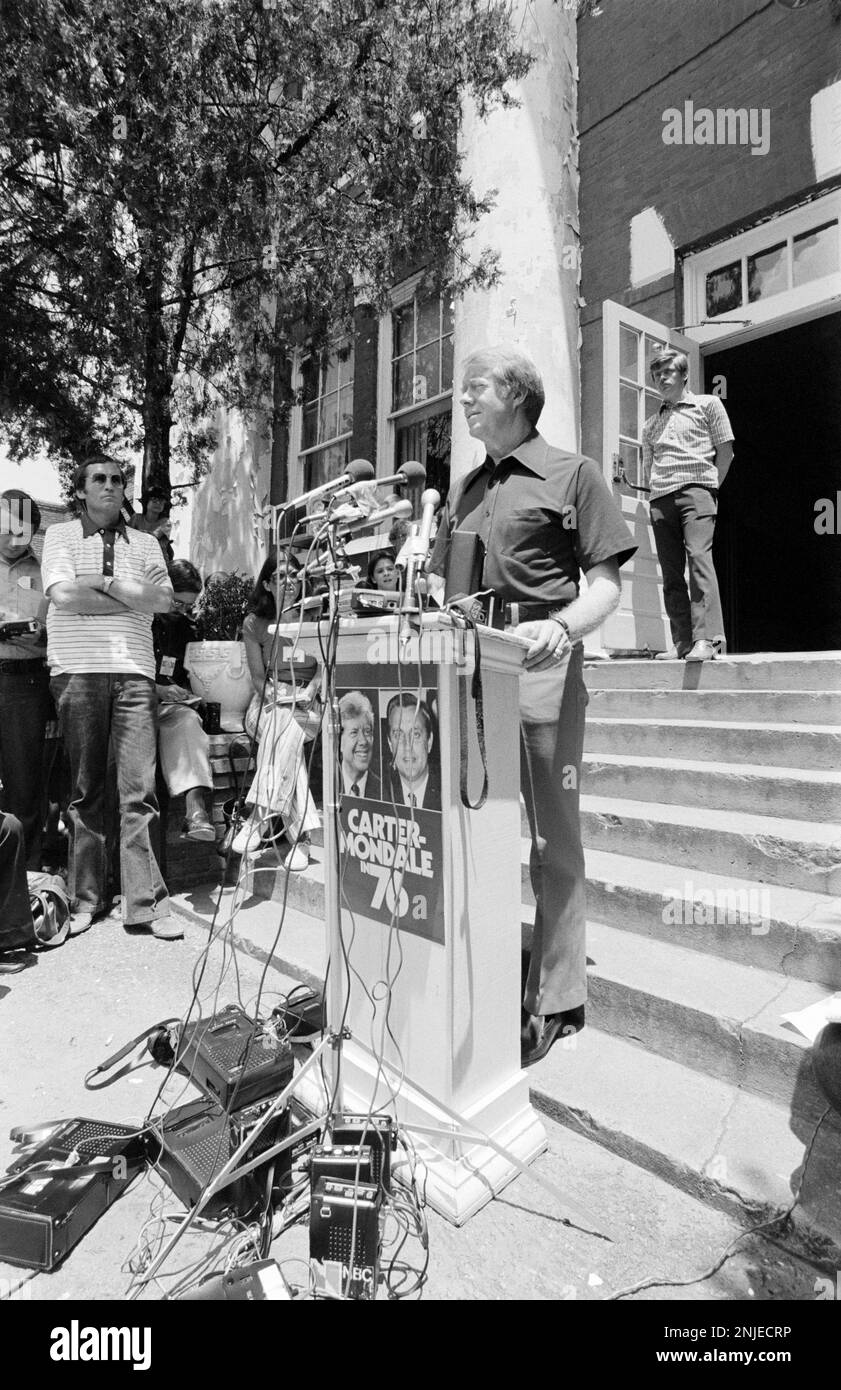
(115, 478)
(180, 606)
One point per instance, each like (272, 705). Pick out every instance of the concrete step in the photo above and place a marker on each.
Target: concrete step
(811, 794)
(738, 1152)
(795, 931)
(713, 1016)
(769, 849)
(759, 671)
(781, 745)
(741, 706)
(788, 930)
(773, 926)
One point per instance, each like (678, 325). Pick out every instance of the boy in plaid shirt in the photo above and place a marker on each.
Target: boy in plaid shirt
(687, 448)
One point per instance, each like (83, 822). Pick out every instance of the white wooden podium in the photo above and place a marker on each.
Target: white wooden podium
(426, 976)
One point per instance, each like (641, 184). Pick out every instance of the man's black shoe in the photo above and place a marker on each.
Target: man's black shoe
(542, 1030)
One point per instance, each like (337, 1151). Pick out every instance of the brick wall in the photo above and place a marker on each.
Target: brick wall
(637, 59)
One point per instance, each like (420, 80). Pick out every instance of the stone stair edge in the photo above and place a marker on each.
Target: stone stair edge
(649, 964)
(708, 1138)
(707, 818)
(718, 726)
(792, 906)
(827, 777)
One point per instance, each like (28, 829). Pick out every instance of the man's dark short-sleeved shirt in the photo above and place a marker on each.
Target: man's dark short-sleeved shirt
(543, 515)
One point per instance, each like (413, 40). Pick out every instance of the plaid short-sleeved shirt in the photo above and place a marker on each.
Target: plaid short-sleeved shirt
(679, 443)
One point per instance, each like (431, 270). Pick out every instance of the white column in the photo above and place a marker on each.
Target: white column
(530, 155)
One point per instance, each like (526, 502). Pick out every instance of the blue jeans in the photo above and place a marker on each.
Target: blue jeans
(94, 708)
(24, 710)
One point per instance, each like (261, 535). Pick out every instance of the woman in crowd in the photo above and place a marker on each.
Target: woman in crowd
(382, 574)
(285, 712)
(182, 742)
(154, 519)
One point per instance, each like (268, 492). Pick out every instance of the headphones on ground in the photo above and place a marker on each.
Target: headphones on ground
(161, 1043)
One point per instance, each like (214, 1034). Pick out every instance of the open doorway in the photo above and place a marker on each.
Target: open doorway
(781, 580)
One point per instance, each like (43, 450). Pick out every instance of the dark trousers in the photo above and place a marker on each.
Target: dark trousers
(684, 524)
(16, 927)
(94, 708)
(552, 709)
(24, 710)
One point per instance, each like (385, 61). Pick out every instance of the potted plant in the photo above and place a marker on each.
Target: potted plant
(216, 663)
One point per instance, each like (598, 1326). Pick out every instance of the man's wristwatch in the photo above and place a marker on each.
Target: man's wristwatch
(562, 622)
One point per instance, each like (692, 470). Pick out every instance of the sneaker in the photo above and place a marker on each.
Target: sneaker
(247, 838)
(81, 922)
(677, 653)
(297, 859)
(702, 651)
(198, 827)
(166, 928)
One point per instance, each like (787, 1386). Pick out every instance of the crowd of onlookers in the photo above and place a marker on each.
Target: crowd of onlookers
(92, 641)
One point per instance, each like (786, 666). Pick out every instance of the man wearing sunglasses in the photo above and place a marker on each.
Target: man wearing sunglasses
(105, 582)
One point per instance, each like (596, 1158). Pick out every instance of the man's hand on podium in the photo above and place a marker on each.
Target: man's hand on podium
(549, 643)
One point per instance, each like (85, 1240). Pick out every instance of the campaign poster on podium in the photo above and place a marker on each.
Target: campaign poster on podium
(390, 782)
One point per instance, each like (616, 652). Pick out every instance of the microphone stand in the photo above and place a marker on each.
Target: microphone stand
(417, 547)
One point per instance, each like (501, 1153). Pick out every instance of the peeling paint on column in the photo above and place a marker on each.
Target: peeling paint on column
(530, 154)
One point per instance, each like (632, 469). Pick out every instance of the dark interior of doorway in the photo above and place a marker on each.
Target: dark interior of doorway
(780, 580)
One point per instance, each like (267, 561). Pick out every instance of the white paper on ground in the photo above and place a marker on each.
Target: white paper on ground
(811, 1020)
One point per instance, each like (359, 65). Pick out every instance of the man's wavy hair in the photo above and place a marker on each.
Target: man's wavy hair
(355, 705)
(512, 369)
(671, 356)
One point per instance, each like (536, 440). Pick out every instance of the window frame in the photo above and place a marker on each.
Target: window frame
(793, 303)
(299, 456)
(388, 420)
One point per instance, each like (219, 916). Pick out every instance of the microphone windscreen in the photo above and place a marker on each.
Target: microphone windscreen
(360, 470)
(412, 471)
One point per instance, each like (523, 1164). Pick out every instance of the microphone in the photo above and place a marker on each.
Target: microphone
(358, 470)
(410, 474)
(401, 507)
(430, 501)
(416, 547)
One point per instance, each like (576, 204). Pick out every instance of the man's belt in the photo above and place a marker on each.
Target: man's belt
(27, 666)
(504, 613)
(492, 610)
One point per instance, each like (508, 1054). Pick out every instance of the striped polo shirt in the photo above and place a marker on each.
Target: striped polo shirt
(679, 443)
(119, 643)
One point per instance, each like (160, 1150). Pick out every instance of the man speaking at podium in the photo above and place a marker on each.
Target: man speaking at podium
(536, 518)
